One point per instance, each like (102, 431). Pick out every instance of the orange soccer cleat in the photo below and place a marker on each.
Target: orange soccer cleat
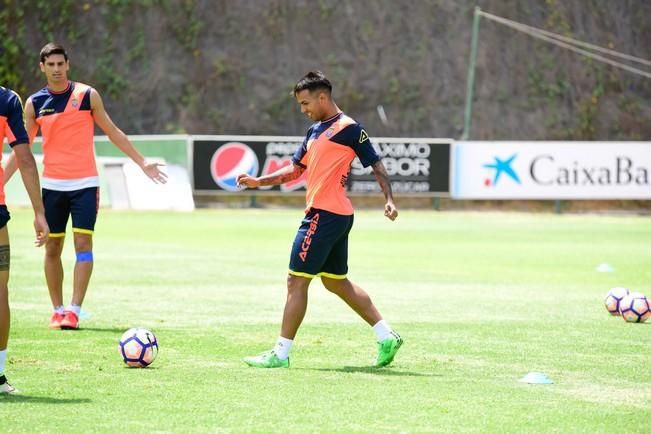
(55, 320)
(70, 321)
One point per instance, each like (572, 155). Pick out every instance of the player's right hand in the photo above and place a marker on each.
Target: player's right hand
(42, 229)
(246, 181)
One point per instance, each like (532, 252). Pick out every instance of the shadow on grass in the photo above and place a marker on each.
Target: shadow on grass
(99, 329)
(140, 368)
(21, 398)
(372, 370)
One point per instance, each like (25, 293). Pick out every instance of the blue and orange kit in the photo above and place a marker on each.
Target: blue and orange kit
(327, 152)
(321, 244)
(68, 129)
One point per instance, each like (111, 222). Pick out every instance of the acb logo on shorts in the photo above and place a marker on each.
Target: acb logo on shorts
(232, 159)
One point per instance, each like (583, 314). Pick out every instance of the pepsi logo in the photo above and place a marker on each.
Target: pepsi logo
(232, 159)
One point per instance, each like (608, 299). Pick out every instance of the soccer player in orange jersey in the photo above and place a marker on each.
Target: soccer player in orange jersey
(12, 127)
(66, 112)
(320, 248)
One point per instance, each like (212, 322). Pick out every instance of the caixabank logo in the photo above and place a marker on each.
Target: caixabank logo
(547, 170)
(617, 170)
(500, 167)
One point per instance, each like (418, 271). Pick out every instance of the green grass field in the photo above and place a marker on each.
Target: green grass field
(480, 299)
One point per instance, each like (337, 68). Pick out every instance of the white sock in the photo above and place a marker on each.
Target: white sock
(382, 330)
(282, 347)
(59, 309)
(3, 359)
(75, 308)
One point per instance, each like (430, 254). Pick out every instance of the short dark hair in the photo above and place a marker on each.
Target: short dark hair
(313, 80)
(53, 48)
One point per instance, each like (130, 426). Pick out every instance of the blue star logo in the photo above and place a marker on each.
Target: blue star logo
(502, 166)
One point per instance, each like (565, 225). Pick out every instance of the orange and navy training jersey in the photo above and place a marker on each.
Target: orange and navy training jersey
(68, 128)
(12, 126)
(327, 152)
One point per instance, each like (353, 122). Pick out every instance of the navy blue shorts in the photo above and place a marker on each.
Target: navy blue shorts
(4, 216)
(81, 204)
(321, 245)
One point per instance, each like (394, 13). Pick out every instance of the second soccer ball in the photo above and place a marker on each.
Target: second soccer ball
(613, 298)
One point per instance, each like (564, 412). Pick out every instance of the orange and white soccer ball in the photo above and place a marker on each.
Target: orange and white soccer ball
(614, 297)
(635, 307)
(138, 347)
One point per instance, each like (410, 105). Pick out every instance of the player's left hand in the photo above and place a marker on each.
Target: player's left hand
(390, 210)
(154, 173)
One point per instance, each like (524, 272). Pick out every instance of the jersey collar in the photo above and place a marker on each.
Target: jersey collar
(67, 89)
(332, 118)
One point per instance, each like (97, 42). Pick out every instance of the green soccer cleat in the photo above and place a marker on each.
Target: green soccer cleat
(268, 359)
(387, 350)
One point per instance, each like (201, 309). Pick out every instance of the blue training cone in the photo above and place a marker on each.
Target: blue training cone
(605, 268)
(536, 378)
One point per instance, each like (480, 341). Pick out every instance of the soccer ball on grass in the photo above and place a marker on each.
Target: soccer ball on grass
(138, 347)
(635, 307)
(613, 298)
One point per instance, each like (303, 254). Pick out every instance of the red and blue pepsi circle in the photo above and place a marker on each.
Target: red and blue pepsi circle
(230, 160)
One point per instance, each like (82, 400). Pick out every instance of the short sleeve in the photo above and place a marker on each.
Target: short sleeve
(298, 156)
(16, 122)
(355, 136)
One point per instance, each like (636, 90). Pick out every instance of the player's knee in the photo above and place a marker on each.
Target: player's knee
(86, 256)
(297, 283)
(83, 244)
(54, 246)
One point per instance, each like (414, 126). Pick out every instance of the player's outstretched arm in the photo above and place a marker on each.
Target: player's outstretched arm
(280, 176)
(119, 139)
(29, 173)
(383, 180)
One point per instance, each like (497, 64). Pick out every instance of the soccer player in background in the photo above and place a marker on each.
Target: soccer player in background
(320, 248)
(12, 127)
(66, 113)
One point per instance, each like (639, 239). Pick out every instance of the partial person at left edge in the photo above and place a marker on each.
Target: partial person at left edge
(66, 112)
(12, 127)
